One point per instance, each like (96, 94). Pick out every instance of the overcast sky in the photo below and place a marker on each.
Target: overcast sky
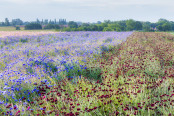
(87, 10)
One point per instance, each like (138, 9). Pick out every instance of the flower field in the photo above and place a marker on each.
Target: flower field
(87, 74)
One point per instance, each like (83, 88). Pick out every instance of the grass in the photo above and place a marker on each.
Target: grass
(133, 78)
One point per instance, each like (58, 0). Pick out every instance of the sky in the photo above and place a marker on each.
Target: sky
(87, 10)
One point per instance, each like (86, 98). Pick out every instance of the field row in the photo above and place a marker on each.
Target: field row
(88, 73)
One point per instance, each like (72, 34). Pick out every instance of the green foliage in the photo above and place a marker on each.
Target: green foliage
(32, 26)
(72, 24)
(146, 27)
(108, 29)
(108, 25)
(52, 26)
(104, 48)
(94, 27)
(2, 65)
(73, 70)
(138, 25)
(67, 29)
(130, 25)
(26, 92)
(153, 69)
(164, 25)
(48, 66)
(24, 40)
(7, 23)
(18, 28)
(17, 22)
(93, 73)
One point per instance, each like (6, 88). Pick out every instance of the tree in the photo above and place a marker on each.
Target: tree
(107, 21)
(2, 24)
(166, 27)
(172, 25)
(17, 22)
(99, 22)
(37, 21)
(130, 25)
(146, 27)
(85, 25)
(138, 25)
(100, 28)
(153, 25)
(112, 26)
(62, 22)
(57, 26)
(72, 24)
(46, 21)
(119, 28)
(122, 25)
(159, 27)
(49, 26)
(94, 28)
(52, 26)
(7, 22)
(108, 29)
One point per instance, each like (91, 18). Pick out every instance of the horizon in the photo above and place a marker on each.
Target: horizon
(87, 10)
(82, 21)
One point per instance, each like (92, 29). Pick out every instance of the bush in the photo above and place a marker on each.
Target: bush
(18, 28)
(52, 26)
(32, 26)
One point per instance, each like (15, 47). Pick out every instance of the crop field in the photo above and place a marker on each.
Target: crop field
(11, 28)
(86, 73)
(4, 34)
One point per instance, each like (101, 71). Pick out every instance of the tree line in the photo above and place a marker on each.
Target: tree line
(123, 25)
(107, 25)
(19, 22)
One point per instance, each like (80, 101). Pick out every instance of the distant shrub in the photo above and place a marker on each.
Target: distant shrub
(49, 26)
(32, 26)
(57, 26)
(18, 28)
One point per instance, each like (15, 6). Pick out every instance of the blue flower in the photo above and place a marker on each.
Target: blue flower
(44, 80)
